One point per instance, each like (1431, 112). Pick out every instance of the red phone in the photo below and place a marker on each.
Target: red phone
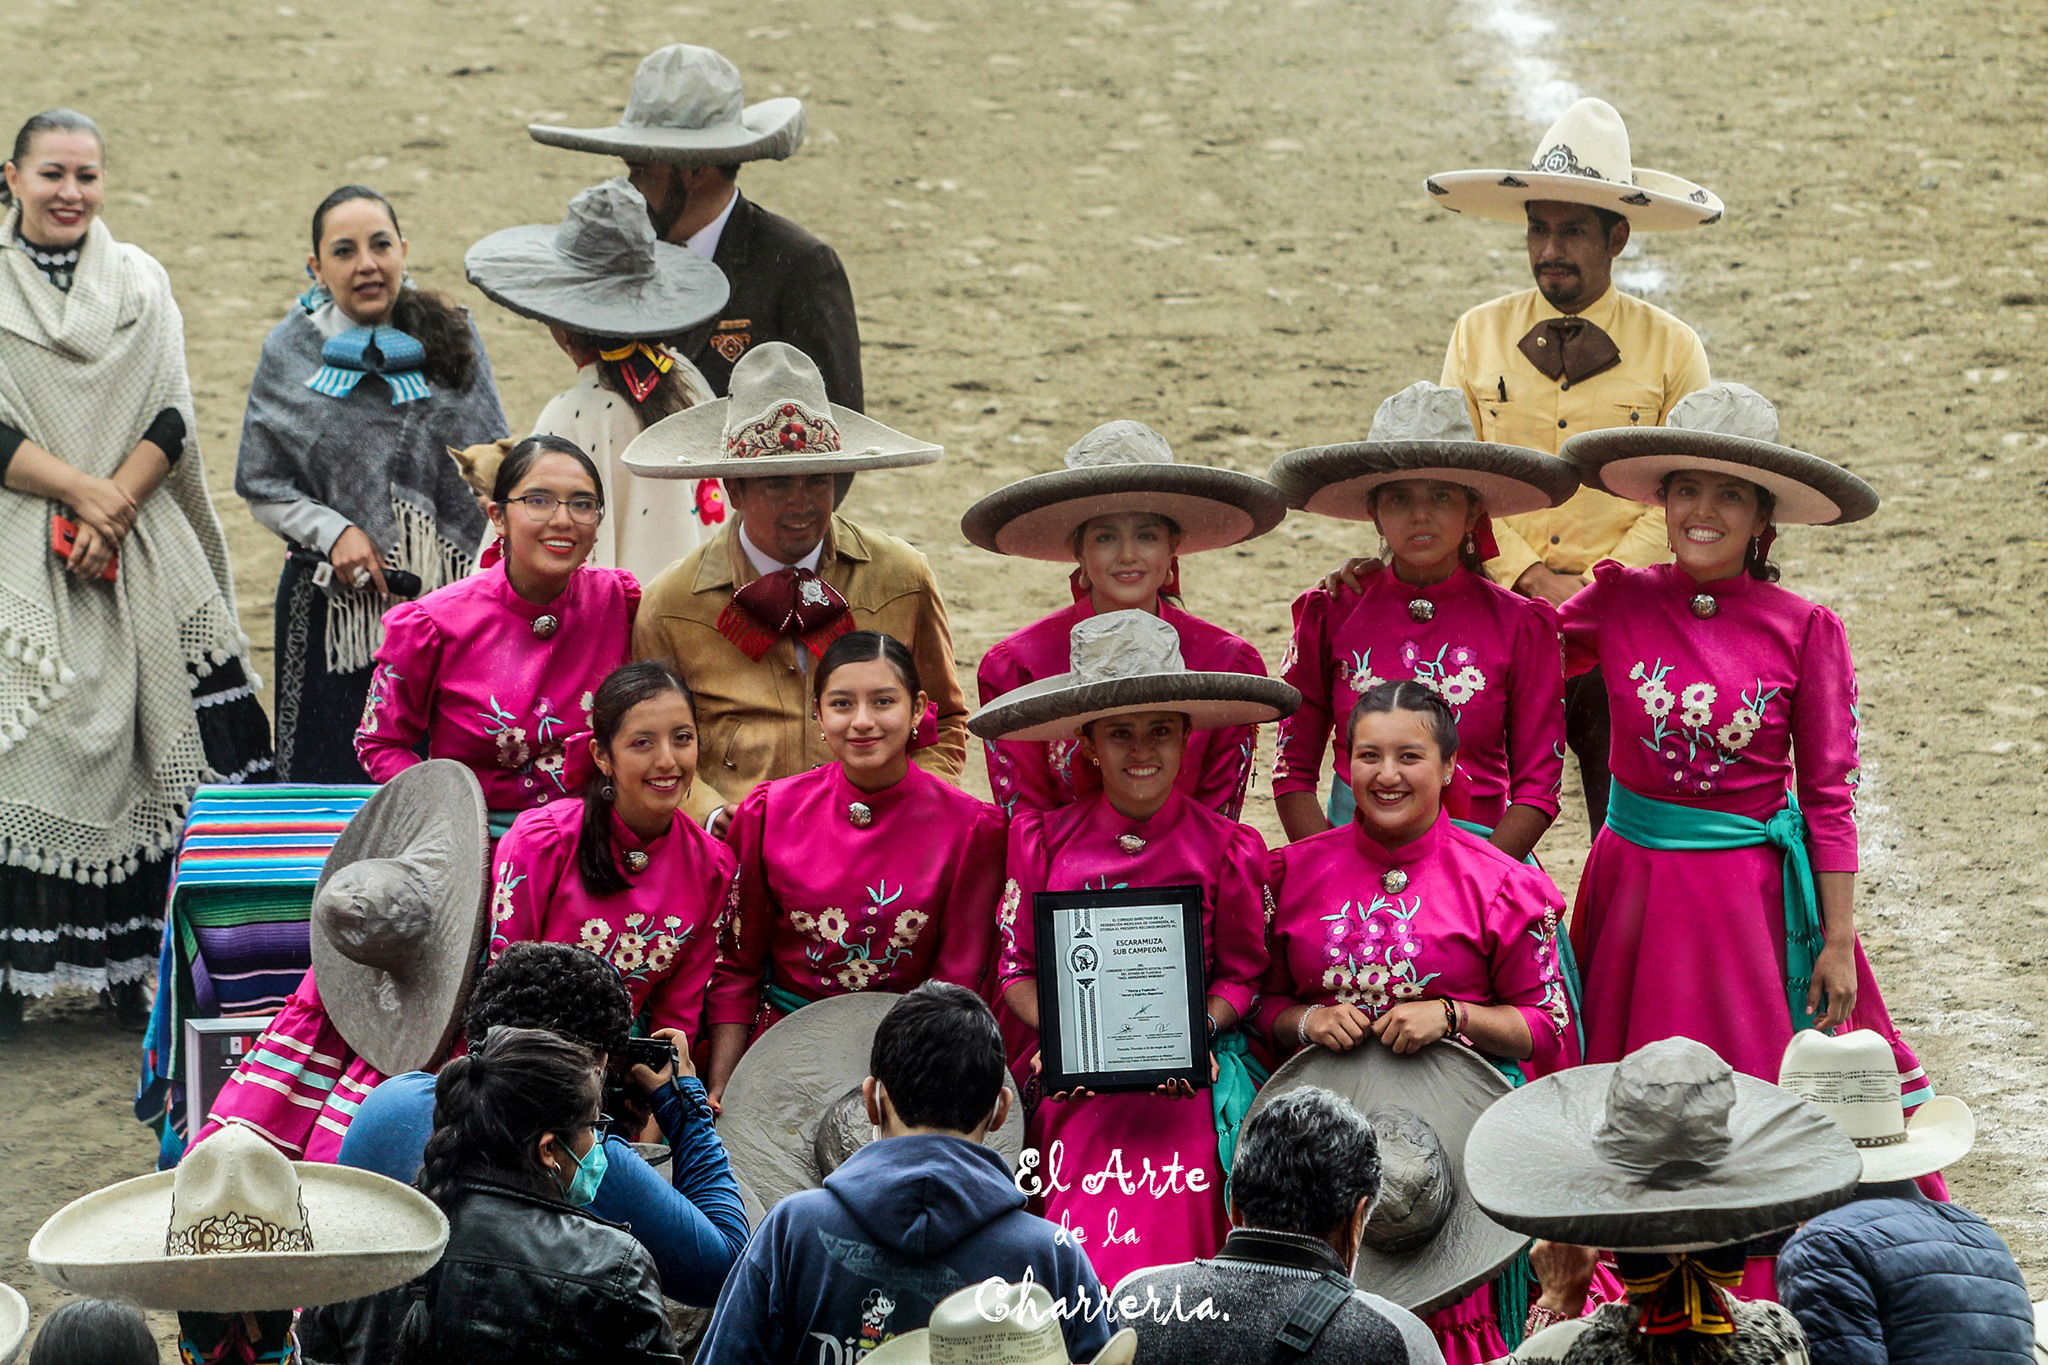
(64, 537)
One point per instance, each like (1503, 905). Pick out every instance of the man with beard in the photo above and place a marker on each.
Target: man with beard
(684, 135)
(1575, 354)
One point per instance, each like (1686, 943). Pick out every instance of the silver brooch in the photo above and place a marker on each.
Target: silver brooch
(1421, 609)
(1395, 882)
(1131, 843)
(636, 861)
(1704, 605)
(811, 593)
(860, 814)
(544, 626)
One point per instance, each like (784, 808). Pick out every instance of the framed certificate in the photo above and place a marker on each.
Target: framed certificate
(1120, 988)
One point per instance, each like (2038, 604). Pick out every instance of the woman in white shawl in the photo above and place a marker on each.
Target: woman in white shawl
(121, 683)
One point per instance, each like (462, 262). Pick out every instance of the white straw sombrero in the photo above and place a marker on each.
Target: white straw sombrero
(687, 106)
(1583, 158)
(1122, 466)
(1853, 1078)
(996, 1324)
(13, 1323)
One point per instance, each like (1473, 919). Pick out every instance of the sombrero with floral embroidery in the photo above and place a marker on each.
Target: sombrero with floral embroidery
(774, 420)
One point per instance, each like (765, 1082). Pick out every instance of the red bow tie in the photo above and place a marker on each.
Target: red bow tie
(789, 602)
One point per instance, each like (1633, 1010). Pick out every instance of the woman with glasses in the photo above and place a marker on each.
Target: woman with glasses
(500, 670)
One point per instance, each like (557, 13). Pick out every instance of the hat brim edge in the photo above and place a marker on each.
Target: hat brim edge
(1036, 517)
(678, 446)
(775, 129)
(1480, 194)
(665, 317)
(1056, 708)
(1630, 462)
(1334, 480)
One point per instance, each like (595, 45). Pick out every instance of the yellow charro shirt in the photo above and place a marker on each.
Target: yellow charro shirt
(1514, 402)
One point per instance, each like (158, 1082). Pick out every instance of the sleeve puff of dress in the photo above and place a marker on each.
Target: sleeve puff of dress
(528, 866)
(967, 948)
(1535, 712)
(400, 702)
(1029, 866)
(1301, 740)
(1825, 730)
(1521, 933)
(1019, 773)
(749, 932)
(1579, 619)
(1227, 768)
(1237, 948)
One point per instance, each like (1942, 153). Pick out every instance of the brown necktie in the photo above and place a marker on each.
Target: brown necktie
(1570, 349)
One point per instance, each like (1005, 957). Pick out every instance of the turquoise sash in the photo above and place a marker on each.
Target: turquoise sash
(1238, 1078)
(1649, 823)
(788, 1002)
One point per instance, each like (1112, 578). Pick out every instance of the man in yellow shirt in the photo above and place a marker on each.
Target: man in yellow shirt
(1575, 354)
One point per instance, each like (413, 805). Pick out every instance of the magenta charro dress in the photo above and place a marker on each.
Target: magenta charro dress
(660, 933)
(826, 907)
(1492, 654)
(1184, 844)
(1472, 925)
(1033, 775)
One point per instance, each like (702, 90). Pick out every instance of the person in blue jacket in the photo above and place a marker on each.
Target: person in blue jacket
(908, 1220)
(694, 1227)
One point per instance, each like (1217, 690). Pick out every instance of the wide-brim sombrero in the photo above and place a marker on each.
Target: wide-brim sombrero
(1036, 517)
(1657, 202)
(13, 1323)
(1631, 462)
(691, 445)
(523, 270)
(1338, 480)
(1056, 707)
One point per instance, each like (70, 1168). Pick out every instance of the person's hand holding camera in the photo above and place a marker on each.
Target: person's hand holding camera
(677, 1063)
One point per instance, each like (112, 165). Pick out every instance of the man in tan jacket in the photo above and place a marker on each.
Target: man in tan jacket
(745, 617)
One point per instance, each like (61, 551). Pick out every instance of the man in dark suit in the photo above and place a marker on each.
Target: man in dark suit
(685, 133)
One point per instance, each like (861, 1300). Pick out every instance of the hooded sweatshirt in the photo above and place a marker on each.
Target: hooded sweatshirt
(833, 1273)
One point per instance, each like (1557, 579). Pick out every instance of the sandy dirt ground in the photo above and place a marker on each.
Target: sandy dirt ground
(1208, 216)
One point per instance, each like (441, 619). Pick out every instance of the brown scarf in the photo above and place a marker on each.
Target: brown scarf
(1569, 349)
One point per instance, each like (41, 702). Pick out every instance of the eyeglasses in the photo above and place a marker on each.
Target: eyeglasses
(601, 1121)
(583, 509)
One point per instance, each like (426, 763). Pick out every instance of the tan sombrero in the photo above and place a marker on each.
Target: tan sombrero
(1582, 159)
(1122, 467)
(775, 420)
(237, 1228)
(795, 1079)
(13, 1323)
(1422, 432)
(993, 1323)
(1125, 661)
(399, 916)
(687, 107)
(1426, 1242)
(1668, 1150)
(1853, 1078)
(1728, 429)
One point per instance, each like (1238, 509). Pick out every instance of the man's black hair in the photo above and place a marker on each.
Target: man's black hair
(939, 1054)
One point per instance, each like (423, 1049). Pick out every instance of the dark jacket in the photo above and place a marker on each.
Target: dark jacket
(834, 1273)
(1228, 1309)
(1894, 1276)
(524, 1280)
(786, 286)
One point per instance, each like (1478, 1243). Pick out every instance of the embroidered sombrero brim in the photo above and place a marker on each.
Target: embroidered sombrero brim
(1533, 1164)
(1449, 1087)
(691, 445)
(792, 1076)
(768, 131)
(1657, 202)
(520, 269)
(1036, 517)
(13, 1323)
(1630, 462)
(1057, 707)
(1338, 480)
(369, 1233)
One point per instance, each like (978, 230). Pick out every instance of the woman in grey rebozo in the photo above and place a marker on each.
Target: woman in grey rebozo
(357, 397)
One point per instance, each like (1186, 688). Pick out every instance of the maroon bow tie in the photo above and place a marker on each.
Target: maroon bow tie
(1570, 349)
(787, 603)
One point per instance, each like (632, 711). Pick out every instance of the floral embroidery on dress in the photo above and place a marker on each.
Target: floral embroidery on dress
(1554, 1001)
(1356, 672)
(378, 694)
(1708, 748)
(501, 905)
(862, 959)
(1006, 916)
(516, 753)
(1373, 949)
(645, 948)
(1452, 674)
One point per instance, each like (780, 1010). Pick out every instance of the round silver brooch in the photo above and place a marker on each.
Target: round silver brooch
(1395, 882)
(1704, 606)
(1421, 609)
(636, 861)
(544, 626)
(860, 815)
(1131, 843)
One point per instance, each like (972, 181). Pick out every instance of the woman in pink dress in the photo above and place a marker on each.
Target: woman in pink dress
(624, 872)
(1401, 929)
(1130, 704)
(1122, 512)
(867, 874)
(499, 670)
(1429, 614)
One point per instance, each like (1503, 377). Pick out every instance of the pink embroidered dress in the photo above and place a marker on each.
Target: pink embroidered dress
(827, 907)
(1031, 775)
(299, 1085)
(1471, 924)
(475, 669)
(661, 933)
(1077, 847)
(1492, 654)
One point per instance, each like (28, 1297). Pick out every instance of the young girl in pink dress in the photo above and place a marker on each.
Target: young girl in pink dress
(1400, 929)
(1130, 703)
(499, 670)
(1429, 614)
(624, 872)
(1123, 512)
(868, 874)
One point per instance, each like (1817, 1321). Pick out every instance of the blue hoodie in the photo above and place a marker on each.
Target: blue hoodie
(833, 1273)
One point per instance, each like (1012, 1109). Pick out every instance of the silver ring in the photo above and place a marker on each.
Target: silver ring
(362, 577)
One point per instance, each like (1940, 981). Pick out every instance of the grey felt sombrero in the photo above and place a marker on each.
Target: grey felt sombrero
(600, 271)
(238, 1228)
(775, 420)
(399, 916)
(794, 1081)
(1726, 429)
(13, 1323)
(1427, 1243)
(1422, 432)
(687, 107)
(1668, 1150)
(1583, 158)
(1122, 466)
(1125, 661)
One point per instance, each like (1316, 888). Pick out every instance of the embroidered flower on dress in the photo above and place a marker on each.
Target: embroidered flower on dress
(802, 922)
(909, 925)
(501, 895)
(1356, 673)
(513, 751)
(662, 954)
(1407, 990)
(1458, 688)
(629, 952)
(856, 974)
(833, 924)
(1698, 694)
(596, 934)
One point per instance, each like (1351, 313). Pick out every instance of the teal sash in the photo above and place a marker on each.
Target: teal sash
(1238, 1078)
(1649, 823)
(499, 822)
(789, 1002)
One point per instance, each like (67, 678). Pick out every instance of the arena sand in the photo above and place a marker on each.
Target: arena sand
(1208, 216)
